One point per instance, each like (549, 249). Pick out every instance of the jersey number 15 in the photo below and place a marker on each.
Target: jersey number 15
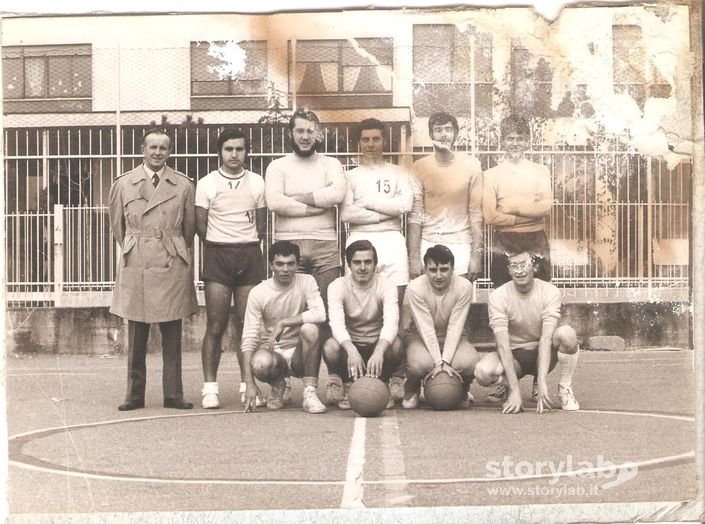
(383, 185)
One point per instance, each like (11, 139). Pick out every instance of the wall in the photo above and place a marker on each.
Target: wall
(94, 331)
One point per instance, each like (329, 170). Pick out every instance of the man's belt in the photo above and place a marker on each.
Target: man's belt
(154, 233)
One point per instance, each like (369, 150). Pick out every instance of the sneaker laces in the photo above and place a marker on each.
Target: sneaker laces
(567, 392)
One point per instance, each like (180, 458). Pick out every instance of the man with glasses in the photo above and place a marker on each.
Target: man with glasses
(524, 316)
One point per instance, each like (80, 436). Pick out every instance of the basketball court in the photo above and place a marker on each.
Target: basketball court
(71, 451)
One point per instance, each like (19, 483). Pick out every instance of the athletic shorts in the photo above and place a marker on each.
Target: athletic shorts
(366, 349)
(287, 354)
(233, 265)
(318, 256)
(393, 259)
(461, 253)
(528, 359)
(414, 338)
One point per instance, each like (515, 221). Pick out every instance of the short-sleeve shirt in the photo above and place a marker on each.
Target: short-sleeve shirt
(231, 203)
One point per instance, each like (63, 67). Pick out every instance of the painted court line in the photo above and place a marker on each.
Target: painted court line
(393, 460)
(50, 373)
(356, 491)
(352, 493)
(354, 482)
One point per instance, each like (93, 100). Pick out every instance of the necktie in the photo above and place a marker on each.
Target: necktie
(155, 180)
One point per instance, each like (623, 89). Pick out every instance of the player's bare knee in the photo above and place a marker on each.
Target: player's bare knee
(566, 339)
(416, 369)
(487, 372)
(331, 350)
(309, 333)
(396, 350)
(466, 359)
(216, 329)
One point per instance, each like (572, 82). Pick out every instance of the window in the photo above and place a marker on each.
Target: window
(532, 82)
(360, 69)
(47, 78)
(229, 75)
(452, 71)
(633, 73)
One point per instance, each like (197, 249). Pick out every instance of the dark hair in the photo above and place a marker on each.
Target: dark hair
(440, 254)
(305, 114)
(440, 118)
(155, 131)
(360, 245)
(515, 124)
(369, 123)
(284, 248)
(232, 134)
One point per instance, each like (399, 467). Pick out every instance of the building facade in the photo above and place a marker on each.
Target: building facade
(605, 90)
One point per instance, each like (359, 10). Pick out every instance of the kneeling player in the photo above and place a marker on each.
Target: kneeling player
(524, 315)
(280, 320)
(364, 318)
(436, 306)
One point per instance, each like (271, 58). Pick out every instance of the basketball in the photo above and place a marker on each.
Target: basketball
(368, 396)
(444, 392)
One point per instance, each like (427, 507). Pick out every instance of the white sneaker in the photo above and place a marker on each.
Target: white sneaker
(210, 396)
(312, 404)
(568, 402)
(334, 389)
(259, 402)
(344, 403)
(396, 388)
(499, 395)
(276, 395)
(411, 403)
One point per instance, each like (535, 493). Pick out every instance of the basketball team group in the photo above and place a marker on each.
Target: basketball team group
(400, 311)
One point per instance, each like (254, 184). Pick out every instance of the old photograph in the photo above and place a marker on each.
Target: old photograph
(362, 265)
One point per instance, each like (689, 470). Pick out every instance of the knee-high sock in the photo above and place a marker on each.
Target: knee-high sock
(568, 363)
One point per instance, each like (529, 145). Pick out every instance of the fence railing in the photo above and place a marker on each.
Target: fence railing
(619, 228)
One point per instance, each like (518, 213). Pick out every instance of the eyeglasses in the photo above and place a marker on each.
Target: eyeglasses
(516, 267)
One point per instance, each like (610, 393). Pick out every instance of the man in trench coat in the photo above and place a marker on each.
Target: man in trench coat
(153, 219)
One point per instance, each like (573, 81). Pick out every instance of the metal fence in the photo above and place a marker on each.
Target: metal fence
(621, 221)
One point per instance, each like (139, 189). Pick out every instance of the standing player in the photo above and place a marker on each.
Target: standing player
(517, 196)
(231, 221)
(436, 305)
(152, 218)
(364, 319)
(447, 206)
(280, 336)
(524, 314)
(302, 189)
(377, 195)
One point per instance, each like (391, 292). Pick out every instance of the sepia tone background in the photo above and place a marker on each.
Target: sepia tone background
(607, 90)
